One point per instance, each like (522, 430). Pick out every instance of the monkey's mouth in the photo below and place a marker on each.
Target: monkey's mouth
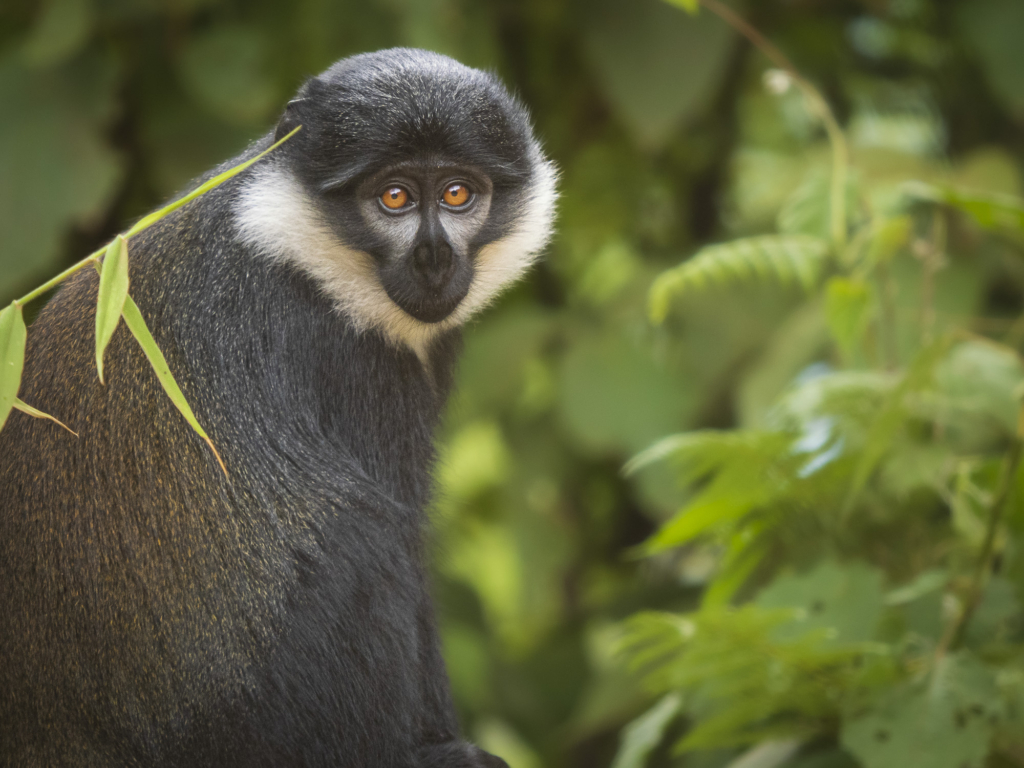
(428, 310)
(427, 301)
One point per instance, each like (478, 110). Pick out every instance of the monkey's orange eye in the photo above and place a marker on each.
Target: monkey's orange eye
(456, 195)
(395, 198)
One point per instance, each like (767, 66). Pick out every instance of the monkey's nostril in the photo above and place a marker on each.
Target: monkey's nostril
(433, 263)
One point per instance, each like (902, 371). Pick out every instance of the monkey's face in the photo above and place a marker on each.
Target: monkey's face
(429, 191)
(425, 218)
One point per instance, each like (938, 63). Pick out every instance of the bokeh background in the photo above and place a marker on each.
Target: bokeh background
(667, 138)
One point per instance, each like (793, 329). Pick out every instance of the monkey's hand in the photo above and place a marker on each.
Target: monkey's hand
(457, 754)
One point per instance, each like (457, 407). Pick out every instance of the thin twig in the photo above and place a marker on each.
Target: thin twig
(983, 567)
(818, 105)
(931, 262)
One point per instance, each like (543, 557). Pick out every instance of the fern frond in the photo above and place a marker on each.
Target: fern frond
(744, 470)
(740, 681)
(700, 451)
(792, 258)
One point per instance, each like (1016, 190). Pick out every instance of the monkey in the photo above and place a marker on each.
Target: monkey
(157, 611)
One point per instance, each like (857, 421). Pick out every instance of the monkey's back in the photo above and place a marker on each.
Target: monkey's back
(156, 613)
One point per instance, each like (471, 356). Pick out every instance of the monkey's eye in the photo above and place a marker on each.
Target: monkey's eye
(395, 198)
(456, 195)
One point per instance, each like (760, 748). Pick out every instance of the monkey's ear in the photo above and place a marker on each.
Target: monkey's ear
(289, 120)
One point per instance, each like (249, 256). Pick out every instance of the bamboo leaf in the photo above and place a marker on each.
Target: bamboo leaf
(206, 186)
(12, 357)
(24, 407)
(149, 220)
(133, 319)
(788, 258)
(112, 295)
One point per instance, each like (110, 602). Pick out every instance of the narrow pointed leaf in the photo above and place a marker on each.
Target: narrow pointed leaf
(643, 735)
(202, 189)
(24, 407)
(113, 292)
(12, 357)
(133, 319)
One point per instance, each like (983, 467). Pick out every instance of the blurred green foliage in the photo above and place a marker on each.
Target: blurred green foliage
(841, 450)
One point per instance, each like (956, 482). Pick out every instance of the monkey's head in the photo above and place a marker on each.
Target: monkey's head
(413, 193)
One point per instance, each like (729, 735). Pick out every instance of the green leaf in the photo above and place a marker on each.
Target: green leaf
(692, 7)
(206, 186)
(744, 552)
(112, 294)
(643, 735)
(945, 723)
(36, 413)
(848, 305)
(997, 615)
(746, 477)
(979, 384)
(891, 417)
(991, 210)
(741, 684)
(12, 357)
(710, 445)
(788, 258)
(133, 319)
(657, 67)
(844, 600)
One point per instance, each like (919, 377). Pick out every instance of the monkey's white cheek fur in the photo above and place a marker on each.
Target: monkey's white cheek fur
(274, 215)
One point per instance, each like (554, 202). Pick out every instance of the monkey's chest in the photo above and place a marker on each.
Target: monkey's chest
(307, 650)
(346, 657)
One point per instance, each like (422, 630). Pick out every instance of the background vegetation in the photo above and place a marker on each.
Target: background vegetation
(824, 570)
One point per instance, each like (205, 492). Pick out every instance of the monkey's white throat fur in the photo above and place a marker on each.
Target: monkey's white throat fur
(274, 215)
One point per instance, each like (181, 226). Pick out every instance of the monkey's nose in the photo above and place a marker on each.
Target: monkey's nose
(433, 263)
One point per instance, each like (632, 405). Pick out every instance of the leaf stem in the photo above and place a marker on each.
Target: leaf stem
(931, 263)
(148, 221)
(983, 567)
(817, 104)
(55, 281)
(887, 317)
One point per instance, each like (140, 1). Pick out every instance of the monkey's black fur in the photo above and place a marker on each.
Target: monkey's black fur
(155, 613)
